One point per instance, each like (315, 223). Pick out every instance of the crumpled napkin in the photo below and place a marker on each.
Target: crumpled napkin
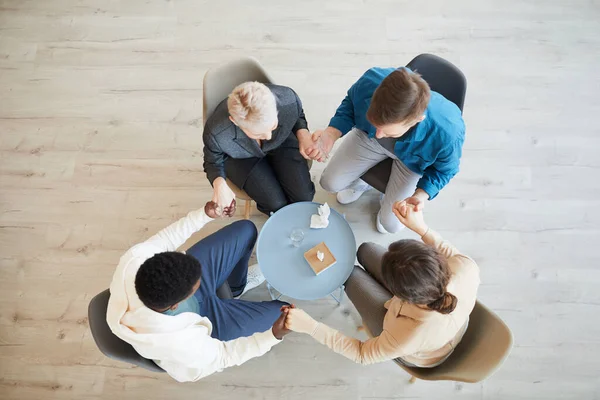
(321, 220)
(320, 256)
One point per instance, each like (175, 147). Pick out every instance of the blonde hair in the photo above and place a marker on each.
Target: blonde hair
(252, 105)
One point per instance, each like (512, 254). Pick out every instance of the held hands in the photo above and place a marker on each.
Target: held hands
(322, 143)
(298, 320)
(412, 218)
(293, 319)
(223, 201)
(213, 210)
(279, 327)
(417, 200)
(324, 140)
(307, 146)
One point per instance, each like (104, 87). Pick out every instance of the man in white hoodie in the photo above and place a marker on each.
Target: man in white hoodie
(164, 303)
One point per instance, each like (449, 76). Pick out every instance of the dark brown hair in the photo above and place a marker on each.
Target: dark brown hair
(401, 96)
(418, 274)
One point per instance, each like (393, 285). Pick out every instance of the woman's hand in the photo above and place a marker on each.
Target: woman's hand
(412, 219)
(299, 321)
(417, 200)
(224, 198)
(308, 148)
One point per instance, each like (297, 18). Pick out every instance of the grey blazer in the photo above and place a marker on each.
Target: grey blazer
(223, 139)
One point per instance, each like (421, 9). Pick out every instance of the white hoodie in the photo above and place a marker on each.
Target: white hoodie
(179, 344)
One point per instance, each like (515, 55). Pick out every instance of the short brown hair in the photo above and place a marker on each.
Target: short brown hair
(418, 274)
(401, 96)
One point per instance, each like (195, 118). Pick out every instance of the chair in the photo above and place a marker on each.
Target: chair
(482, 350)
(218, 83)
(443, 77)
(112, 346)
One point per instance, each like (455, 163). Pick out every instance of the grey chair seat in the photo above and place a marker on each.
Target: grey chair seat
(112, 346)
(379, 175)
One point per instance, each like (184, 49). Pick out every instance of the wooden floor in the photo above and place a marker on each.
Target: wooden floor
(100, 146)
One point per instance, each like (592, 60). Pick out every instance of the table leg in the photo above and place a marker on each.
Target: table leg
(270, 289)
(339, 298)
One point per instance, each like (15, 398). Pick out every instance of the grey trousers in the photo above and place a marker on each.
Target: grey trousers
(355, 156)
(366, 288)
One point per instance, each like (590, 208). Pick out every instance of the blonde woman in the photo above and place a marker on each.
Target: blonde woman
(415, 297)
(258, 138)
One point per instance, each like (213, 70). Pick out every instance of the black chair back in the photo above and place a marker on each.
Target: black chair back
(110, 345)
(443, 77)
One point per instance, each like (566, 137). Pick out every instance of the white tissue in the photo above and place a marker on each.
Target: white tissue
(321, 220)
(320, 255)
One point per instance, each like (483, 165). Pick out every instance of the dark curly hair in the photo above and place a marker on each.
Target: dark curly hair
(418, 274)
(166, 278)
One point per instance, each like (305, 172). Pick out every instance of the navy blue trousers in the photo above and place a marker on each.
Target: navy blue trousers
(224, 256)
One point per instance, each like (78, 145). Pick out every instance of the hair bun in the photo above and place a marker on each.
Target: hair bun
(445, 304)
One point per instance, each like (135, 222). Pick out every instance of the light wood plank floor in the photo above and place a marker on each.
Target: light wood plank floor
(100, 146)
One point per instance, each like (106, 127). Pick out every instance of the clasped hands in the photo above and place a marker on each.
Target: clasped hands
(223, 201)
(411, 215)
(318, 145)
(293, 319)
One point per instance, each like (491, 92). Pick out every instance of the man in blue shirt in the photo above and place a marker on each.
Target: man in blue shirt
(393, 113)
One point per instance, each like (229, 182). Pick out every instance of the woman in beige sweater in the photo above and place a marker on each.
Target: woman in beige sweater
(415, 298)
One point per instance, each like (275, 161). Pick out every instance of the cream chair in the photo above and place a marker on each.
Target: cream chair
(482, 350)
(219, 81)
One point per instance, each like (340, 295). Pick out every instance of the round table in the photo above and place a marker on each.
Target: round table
(284, 266)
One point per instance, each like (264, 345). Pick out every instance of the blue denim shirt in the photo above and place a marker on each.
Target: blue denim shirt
(432, 148)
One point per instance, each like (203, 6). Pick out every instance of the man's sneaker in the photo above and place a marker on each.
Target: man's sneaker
(255, 278)
(380, 227)
(353, 193)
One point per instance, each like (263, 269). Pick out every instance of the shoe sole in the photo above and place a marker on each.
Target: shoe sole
(348, 202)
(248, 288)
